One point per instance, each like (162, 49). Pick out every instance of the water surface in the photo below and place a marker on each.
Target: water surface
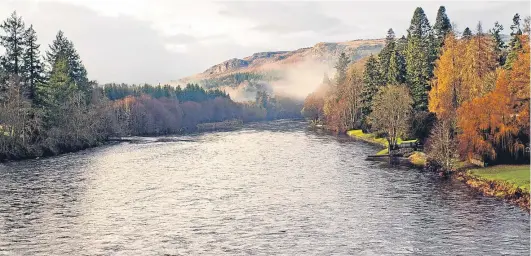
(268, 189)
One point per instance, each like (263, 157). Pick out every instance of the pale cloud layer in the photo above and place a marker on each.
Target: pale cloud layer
(160, 40)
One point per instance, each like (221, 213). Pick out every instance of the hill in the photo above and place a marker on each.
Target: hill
(294, 73)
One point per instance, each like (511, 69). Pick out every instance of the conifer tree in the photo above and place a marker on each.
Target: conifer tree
(467, 33)
(441, 27)
(61, 47)
(13, 42)
(32, 69)
(341, 69)
(372, 79)
(385, 54)
(397, 68)
(515, 45)
(419, 59)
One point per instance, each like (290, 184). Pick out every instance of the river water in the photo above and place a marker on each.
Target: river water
(267, 189)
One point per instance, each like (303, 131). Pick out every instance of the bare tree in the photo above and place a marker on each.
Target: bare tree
(391, 109)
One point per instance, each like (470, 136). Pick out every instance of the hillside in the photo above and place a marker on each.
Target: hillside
(290, 72)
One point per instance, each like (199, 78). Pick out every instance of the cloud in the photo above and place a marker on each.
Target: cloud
(286, 18)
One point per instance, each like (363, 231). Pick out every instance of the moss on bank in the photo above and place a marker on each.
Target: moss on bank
(516, 175)
(417, 159)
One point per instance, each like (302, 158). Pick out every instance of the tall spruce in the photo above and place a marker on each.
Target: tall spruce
(32, 68)
(13, 42)
(441, 28)
(515, 45)
(499, 44)
(372, 79)
(397, 63)
(385, 54)
(61, 47)
(420, 56)
(467, 33)
(341, 69)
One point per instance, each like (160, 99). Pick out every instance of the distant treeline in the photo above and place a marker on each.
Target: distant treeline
(48, 105)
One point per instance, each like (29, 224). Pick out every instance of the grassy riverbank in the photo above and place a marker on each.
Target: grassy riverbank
(417, 159)
(510, 182)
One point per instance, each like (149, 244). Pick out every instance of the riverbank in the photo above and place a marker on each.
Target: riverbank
(510, 182)
(417, 159)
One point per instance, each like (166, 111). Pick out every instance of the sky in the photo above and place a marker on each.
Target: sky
(155, 41)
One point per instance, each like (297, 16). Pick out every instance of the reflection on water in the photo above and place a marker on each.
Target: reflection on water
(270, 188)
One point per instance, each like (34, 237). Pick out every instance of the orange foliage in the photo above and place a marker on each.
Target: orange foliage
(500, 119)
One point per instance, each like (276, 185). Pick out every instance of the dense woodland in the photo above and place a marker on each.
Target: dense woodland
(48, 105)
(464, 94)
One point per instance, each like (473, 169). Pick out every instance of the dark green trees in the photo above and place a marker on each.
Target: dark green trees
(441, 28)
(61, 47)
(341, 67)
(419, 59)
(372, 79)
(386, 53)
(467, 33)
(13, 42)
(32, 69)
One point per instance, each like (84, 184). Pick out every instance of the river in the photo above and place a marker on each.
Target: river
(267, 189)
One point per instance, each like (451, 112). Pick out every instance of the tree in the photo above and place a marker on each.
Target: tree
(32, 69)
(390, 112)
(442, 27)
(442, 147)
(341, 68)
(13, 42)
(499, 44)
(419, 58)
(386, 53)
(445, 94)
(467, 33)
(372, 79)
(61, 47)
(397, 68)
(498, 122)
(515, 45)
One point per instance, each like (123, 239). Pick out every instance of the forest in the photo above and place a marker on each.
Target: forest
(48, 105)
(464, 95)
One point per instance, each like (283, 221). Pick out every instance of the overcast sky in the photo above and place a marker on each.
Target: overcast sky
(154, 41)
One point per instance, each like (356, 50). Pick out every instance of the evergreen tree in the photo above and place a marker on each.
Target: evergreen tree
(419, 59)
(385, 54)
(341, 69)
(515, 44)
(372, 79)
(32, 69)
(467, 33)
(397, 69)
(499, 45)
(441, 27)
(61, 47)
(13, 42)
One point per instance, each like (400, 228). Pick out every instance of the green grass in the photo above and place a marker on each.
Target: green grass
(359, 134)
(382, 152)
(517, 175)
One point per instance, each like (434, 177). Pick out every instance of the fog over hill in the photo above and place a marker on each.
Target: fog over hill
(290, 73)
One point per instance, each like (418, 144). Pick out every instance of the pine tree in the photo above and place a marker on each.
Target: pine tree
(516, 44)
(467, 33)
(61, 47)
(13, 42)
(385, 54)
(58, 87)
(419, 59)
(32, 69)
(442, 27)
(372, 79)
(341, 69)
(397, 68)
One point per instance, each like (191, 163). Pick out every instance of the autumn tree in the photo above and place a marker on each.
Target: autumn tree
(390, 112)
(442, 147)
(498, 122)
